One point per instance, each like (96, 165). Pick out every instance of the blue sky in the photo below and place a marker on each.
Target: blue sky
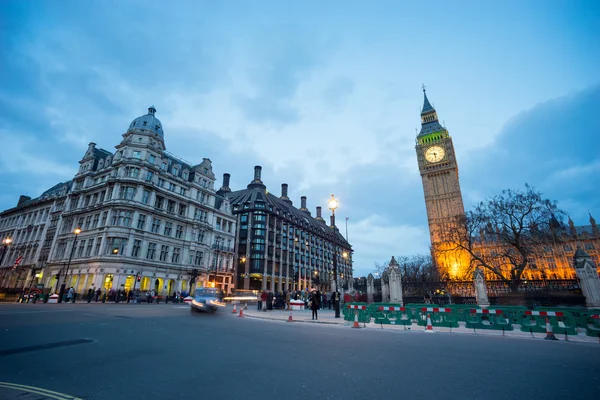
(325, 96)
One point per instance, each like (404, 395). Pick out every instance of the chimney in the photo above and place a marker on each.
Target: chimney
(23, 199)
(319, 217)
(225, 186)
(303, 205)
(257, 172)
(256, 182)
(284, 187)
(332, 219)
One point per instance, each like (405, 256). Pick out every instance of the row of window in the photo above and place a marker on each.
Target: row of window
(29, 218)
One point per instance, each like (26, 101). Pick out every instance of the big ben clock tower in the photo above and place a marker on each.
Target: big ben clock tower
(443, 198)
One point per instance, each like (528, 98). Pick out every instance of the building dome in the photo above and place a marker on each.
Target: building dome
(147, 122)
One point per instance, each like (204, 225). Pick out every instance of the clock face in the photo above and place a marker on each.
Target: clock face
(434, 154)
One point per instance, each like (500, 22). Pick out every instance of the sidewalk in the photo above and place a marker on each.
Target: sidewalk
(325, 316)
(328, 317)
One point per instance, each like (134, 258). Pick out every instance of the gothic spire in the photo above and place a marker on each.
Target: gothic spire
(572, 228)
(427, 107)
(429, 118)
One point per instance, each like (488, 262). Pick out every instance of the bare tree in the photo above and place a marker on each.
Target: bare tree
(506, 233)
(379, 268)
(417, 267)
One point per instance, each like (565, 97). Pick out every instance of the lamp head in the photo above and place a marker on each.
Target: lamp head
(6, 241)
(77, 231)
(333, 203)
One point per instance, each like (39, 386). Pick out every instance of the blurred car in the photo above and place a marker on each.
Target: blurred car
(247, 296)
(206, 300)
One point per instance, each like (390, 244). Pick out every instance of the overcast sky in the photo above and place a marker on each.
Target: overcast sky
(326, 96)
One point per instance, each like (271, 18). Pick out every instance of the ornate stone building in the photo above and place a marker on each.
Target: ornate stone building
(443, 199)
(142, 212)
(281, 247)
(30, 228)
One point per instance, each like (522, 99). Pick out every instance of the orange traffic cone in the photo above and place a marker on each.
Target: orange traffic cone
(241, 313)
(234, 308)
(549, 333)
(290, 317)
(429, 327)
(356, 325)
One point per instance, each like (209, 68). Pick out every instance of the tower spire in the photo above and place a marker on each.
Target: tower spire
(427, 107)
(429, 118)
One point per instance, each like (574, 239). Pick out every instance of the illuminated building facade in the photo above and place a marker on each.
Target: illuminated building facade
(443, 199)
(142, 212)
(281, 247)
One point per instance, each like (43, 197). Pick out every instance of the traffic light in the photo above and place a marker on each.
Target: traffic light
(139, 278)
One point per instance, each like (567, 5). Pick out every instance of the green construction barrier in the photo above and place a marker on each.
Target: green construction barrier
(579, 313)
(560, 324)
(592, 326)
(390, 317)
(363, 315)
(514, 313)
(444, 319)
(413, 309)
(462, 311)
(499, 322)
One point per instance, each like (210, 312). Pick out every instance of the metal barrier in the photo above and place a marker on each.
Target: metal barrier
(561, 322)
(360, 308)
(492, 319)
(390, 314)
(440, 316)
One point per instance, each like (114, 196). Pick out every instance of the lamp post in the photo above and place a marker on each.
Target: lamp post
(333, 204)
(76, 232)
(217, 241)
(5, 243)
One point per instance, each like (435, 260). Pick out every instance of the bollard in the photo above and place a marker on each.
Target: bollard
(531, 331)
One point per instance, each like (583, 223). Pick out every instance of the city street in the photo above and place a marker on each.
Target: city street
(162, 351)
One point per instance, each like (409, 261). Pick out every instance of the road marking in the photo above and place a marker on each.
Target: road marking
(40, 391)
(181, 306)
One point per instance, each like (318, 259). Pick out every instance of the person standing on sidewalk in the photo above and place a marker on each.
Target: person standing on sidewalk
(287, 299)
(314, 304)
(263, 297)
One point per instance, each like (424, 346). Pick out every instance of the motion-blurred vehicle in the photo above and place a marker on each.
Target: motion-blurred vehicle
(206, 300)
(243, 296)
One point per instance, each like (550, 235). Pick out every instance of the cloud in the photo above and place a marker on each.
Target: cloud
(547, 146)
(327, 102)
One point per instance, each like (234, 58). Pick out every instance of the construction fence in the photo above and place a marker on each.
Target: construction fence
(502, 318)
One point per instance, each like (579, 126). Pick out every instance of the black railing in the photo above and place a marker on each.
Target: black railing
(225, 249)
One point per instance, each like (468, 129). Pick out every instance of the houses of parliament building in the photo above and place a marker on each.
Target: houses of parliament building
(443, 199)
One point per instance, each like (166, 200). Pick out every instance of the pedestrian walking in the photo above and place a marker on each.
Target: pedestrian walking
(70, 294)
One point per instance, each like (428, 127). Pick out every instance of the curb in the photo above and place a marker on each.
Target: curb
(295, 321)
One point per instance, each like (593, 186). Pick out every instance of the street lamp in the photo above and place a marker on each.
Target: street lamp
(5, 243)
(217, 241)
(76, 232)
(333, 204)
